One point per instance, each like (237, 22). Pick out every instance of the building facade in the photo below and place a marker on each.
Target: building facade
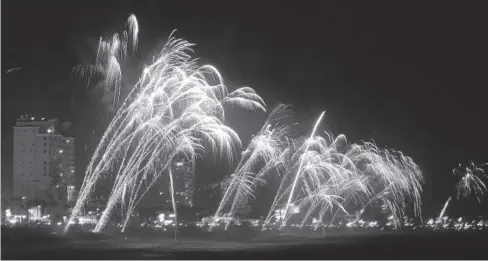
(184, 181)
(43, 160)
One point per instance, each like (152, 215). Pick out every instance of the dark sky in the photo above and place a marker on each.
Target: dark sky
(410, 74)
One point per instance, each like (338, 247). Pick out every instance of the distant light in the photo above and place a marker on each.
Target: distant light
(294, 209)
(60, 151)
(179, 164)
(59, 223)
(160, 193)
(49, 131)
(43, 118)
(161, 217)
(67, 141)
(33, 118)
(24, 197)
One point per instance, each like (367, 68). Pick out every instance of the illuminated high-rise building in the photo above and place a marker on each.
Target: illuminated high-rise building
(43, 160)
(184, 181)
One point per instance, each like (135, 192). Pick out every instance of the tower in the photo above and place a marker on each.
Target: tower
(43, 160)
(184, 176)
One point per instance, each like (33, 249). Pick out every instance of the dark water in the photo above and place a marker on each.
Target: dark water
(36, 244)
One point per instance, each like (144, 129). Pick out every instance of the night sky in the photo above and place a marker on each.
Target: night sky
(410, 74)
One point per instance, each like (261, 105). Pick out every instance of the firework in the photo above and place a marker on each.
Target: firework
(111, 53)
(326, 174)
(176, 108)
(266, 148)
(322, 174)
(13, 70)
(443, 211)
(308, 142)
(392, 178)
(472, 182)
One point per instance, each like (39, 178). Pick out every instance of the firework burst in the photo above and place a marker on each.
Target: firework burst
(332, 175)
(471, 183)
(323, 174)
(111, 53)
(176, 108)
(265, 148)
